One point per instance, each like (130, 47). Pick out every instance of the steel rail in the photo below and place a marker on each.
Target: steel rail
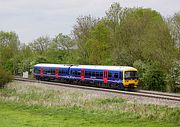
(141, 93)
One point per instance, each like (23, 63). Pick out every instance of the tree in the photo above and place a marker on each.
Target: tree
(5, 77)
(140, 34)
(98, 45)
(60, 49)
(9, 47)
(63, 42)
(151, 75)
(40, 45)
(81, 32)
(174, 26)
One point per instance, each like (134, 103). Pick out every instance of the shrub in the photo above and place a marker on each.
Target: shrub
(151, 75)
(5, 77)
(173, 78)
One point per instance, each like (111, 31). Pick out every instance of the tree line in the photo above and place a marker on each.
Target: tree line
(138, 37)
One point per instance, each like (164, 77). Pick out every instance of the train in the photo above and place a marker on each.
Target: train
(117, 77)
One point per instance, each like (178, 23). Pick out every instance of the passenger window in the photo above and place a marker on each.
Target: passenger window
(109, 75)
(79, 73)
(101, 74)
(93, 74)
(90, 74)
(73, 72)
(37, 70)
(86, 73)
(97, 74)
(115, 75)
(53, 71)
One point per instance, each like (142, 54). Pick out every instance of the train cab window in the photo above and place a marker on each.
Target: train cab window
(115, 75)
(101, 74)
(93, 74)
(109, 75)
(97, 74)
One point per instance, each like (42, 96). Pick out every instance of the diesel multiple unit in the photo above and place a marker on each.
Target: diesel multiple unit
(123, 77)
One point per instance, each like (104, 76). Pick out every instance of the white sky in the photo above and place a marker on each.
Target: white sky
(34, 18)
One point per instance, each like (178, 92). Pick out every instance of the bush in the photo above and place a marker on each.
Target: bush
(151, 75)
(5, 77)
(173, 78)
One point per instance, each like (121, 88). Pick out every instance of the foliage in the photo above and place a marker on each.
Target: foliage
(173, 78)
(9, 48)
(5, 77)
(82, 33)
(151, 76)
(99, 44)
(122, 37)
(174, 26)
(40, 45)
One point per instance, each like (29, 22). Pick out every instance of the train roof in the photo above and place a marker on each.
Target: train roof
(52, 65)
(114, 68)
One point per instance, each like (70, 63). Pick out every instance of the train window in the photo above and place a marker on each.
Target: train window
(79, 73)
(101, 74)
(93, 74)
(90, 74)
(73, 72)
(86, 73)
(63, 72)
(45, 71)
(97, 74)
(52, 71)
(115, 75)
(37, 70)
(109, 75)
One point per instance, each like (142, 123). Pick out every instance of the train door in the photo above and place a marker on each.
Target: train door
(42, 71)
(82, 74)
(56, 72)
(105, 75)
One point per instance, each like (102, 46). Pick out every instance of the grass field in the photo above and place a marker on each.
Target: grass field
(31, 105)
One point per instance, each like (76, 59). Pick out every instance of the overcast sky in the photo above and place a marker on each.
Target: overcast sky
(34, 18)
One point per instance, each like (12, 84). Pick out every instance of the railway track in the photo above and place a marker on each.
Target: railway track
(143, 93)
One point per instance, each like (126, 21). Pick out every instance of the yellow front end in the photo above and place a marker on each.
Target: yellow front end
(130, 78)
(131, 83)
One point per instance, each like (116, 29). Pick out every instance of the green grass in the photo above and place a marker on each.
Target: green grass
(31, 105)
(16, 115)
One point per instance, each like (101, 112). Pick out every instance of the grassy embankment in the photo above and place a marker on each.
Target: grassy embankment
(30, 105)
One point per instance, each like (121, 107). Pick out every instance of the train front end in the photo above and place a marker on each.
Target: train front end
(130, 78)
